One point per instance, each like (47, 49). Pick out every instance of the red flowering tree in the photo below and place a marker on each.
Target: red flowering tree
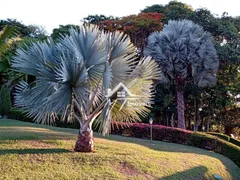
(138, 27)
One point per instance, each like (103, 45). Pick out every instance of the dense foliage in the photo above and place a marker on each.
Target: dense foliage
(5, 101)
(63, 30)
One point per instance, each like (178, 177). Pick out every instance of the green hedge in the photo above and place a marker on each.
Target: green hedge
(19, 114)
(220, 135)
(235, 141)
(180, 136)
(226, 137)
(5, 101)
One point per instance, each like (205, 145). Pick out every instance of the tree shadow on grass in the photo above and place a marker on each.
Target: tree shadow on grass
(190, 174)
(32, 151)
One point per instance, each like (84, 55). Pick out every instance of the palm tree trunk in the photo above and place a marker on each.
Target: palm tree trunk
(180, 108)
(229, 130)
(85, 138)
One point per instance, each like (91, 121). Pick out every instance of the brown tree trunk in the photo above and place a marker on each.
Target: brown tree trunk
(196, 116)
(228, 130)
(85, 138)
(208, 125)
(167, 119)
(180, 109)
(172, 120)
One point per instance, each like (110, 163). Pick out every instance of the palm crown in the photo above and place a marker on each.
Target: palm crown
(74, 76)
(183, 49)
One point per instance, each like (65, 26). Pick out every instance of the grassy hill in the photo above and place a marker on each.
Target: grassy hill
(32, 151)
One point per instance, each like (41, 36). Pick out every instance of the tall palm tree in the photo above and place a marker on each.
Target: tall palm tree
(185, 54)
(75, 78)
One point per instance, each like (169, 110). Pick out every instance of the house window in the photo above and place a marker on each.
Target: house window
(121, 94)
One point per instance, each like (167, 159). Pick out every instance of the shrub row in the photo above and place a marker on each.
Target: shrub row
(5, 100)
(180, 136)
(226, 137)
(235, 141)
(18, 114)
(220, 135)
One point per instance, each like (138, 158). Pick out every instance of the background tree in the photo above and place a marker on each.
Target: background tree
(186, 54)
(163, 110)
(63, 30)
(177, 11)
(38, 32)
(21, 28)
(5, 101)
(96, 19)
(8, 39)
(73, 79)
(174, 10)
(227, 87)
(31, 31)
(206, 19)
(14, 34)
(159, 8)
(138, 27)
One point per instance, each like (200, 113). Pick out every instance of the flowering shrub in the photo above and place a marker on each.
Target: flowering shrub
(161, 133)
(180, 136)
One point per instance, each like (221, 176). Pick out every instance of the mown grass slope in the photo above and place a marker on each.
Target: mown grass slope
(32, 151)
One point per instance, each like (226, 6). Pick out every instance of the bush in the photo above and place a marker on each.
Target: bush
(5, 101)
(229, 150)
(226, 137)
(220, 135)
(180, 136)
(161, 133)
(235, 141)
(18, 114)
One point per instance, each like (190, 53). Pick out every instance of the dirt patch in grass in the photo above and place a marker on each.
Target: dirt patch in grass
(129, 170)
(38, 144)
(32, 158)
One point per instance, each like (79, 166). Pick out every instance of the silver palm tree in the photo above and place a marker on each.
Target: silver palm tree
(75, 78)
(185, 53)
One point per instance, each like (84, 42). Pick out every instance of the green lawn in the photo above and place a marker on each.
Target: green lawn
(31, 151)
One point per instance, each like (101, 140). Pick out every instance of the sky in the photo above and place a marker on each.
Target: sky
(52, 13)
